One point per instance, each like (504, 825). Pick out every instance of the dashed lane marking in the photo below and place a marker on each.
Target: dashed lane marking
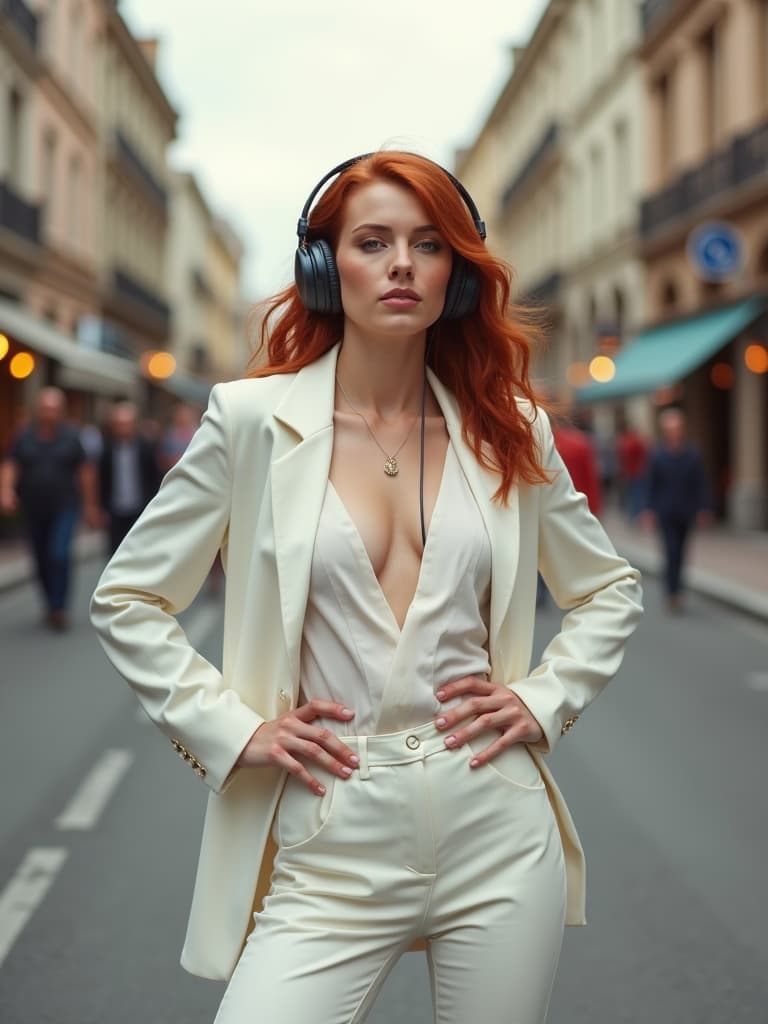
(83, 810)
(25, 892)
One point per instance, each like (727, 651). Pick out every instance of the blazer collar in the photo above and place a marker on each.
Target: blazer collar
(300, 478)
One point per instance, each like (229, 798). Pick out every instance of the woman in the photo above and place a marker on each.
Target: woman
(383, 492)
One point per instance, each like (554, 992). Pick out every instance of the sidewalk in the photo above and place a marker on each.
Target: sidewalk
(730, 567)
(722, 564)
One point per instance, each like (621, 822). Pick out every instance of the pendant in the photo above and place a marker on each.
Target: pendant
(391, 467)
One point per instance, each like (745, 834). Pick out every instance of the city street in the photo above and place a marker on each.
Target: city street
(665, 776)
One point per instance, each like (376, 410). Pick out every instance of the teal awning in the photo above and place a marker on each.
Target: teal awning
(665, 355)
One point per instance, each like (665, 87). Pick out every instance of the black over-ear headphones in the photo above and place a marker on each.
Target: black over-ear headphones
(317, 277)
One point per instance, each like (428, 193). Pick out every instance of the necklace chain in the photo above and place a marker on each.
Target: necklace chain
(391, 467)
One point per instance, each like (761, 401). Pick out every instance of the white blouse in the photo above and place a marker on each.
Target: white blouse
(352, 648)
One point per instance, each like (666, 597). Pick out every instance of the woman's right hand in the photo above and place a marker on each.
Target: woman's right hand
(292, 735)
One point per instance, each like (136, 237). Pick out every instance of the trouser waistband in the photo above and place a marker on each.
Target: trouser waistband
(392, 748)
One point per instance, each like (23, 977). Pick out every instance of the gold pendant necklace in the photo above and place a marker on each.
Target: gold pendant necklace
(391, 467)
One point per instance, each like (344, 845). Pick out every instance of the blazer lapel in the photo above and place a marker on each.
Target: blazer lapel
(299, 479)
(502, 522)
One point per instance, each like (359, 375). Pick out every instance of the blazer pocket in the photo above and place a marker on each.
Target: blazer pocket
(302, 814)
(514, 765)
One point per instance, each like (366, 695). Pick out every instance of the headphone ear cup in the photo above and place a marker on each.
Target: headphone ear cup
(317, 278)
(462, 296)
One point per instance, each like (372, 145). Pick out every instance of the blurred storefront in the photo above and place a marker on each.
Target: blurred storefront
(704, 239)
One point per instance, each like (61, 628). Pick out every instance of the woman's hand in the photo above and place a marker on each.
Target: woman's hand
(494, 707)
(292, 735)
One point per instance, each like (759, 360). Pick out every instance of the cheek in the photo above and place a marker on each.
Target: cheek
(353, 275)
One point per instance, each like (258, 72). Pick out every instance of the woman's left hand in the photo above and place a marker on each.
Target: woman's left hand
(494, 707)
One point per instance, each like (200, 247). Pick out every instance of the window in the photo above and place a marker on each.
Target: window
(664, 101)
(622, 171)
(713, 93)
(49, 176)
(13, 136)
(74, 200)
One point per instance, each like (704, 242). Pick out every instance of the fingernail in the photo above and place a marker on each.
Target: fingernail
(320, 790)
(440, 723)
(440, 694)
(474, 763)
(347, 711)
(346, 770)
(354, 759)
(450, 741)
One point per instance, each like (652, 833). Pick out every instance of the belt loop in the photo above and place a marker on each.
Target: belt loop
(362, 750)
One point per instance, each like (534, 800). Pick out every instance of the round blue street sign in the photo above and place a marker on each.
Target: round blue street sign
(715, 250)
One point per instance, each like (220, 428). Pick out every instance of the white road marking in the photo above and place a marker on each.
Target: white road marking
(25, 892)
(758, 681)
(83, 810)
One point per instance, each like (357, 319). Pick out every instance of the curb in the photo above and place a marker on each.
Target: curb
(699, 580)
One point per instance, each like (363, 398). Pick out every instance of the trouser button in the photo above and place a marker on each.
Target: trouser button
(412, 742)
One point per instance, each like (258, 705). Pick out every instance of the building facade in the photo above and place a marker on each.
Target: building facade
(706, 88)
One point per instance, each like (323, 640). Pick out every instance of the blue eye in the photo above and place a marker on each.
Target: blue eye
(430, 245)
(371, 245)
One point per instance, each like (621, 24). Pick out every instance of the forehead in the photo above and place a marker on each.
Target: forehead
(383, 202)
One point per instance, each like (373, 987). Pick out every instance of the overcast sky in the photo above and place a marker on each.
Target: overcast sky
(273, 93)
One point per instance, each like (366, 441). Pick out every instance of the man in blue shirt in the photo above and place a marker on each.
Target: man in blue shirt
(677, 497)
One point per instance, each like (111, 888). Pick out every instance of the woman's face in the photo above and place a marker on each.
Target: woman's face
(394, 265)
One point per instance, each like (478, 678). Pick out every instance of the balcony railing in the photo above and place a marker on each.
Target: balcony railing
(653, 11)
(745, 160)
(545, 147)
(129, 288)
(22, 17)
(128, 154)
(19, 216)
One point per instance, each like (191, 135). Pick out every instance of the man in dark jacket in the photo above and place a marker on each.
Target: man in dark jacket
(677, 496)
(128, 473)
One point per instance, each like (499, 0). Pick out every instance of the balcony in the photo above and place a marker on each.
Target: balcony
(18, 216)
(151, 305)
(22, 18)
(542, 152)
(136, 166)
(745, 161)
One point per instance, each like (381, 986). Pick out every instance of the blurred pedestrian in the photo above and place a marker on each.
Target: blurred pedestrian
(129, 475)
(174, 441)
(677, 497)
(47, 473)
(632, 452)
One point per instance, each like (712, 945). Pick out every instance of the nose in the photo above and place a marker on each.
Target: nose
(401, 264)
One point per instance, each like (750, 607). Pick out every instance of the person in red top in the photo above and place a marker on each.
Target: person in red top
(632, 455)
(577, 453)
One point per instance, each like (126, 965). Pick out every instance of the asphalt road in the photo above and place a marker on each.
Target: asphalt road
(665, 776)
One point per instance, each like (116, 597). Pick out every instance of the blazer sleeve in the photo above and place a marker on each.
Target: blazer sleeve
(600, 591)
(154, 575)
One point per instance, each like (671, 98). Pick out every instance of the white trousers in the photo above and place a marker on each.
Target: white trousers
(415, 844)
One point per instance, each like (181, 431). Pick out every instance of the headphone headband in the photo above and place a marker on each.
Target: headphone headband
(302, 228)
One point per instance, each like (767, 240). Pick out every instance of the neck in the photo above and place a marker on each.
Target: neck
(383, 375)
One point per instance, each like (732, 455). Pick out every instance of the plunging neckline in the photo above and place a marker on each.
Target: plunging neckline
(366, 558)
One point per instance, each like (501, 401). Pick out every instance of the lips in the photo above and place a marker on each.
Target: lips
(402, 293)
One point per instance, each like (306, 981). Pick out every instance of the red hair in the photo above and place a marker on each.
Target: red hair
(483, 358)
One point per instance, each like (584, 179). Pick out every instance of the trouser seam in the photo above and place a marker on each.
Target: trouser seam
(397, 952)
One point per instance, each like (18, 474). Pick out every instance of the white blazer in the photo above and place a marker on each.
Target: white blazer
(251, 483)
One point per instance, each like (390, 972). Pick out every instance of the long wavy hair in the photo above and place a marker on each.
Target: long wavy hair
(482, 358)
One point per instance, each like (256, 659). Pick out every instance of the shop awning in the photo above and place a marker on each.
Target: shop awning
(82, 368)
(665, 355)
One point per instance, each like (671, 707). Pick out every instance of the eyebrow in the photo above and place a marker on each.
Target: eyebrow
(386, 227)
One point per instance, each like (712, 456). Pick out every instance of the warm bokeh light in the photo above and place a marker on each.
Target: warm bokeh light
(161, 365)
(602, 369)
(722, 376)
(756, 358)
(22, 364)
(4, 346)
(577, 374)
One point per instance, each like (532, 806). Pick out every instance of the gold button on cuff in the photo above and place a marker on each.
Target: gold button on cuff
(413, 742)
